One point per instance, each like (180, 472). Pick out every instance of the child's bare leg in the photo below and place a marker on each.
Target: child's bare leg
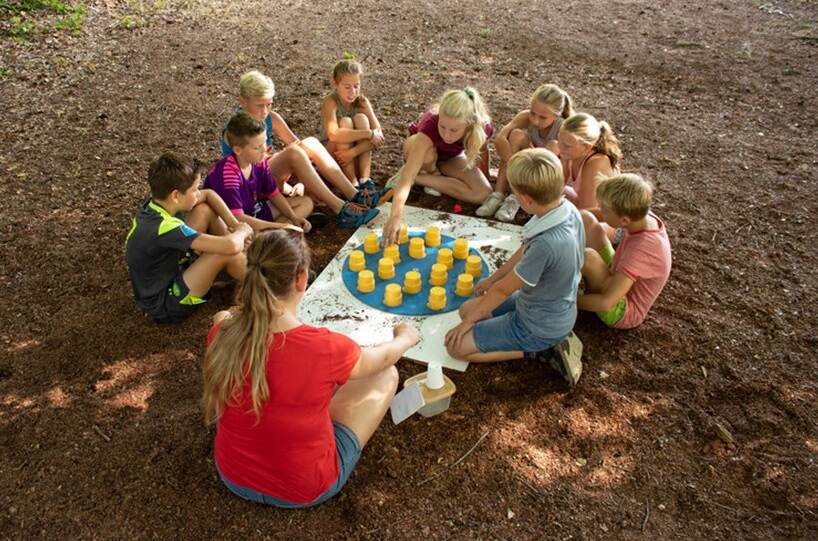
(517, 140)
(467, 308)
(348, 169)
(596, 273)
(596, 235)
(302, 206)
(327, 166)
(466, 184)
(364, 160)
(360, 404)
(202, 273)
(293, 160)
(467, 351)
(204, 219)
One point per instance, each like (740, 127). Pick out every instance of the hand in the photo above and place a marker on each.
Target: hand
(482, 287)
(296, 190)
(392, 230)
(456, 334)
(303, 224)
(345, 156)
(377, 138)
(245, 229)
(407, 332)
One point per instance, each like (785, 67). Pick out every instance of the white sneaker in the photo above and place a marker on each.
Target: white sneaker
(508, 210)
(431, 191)
(490, 205)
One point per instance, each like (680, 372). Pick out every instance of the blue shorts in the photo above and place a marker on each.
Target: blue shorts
(505, 332)
(348, 450)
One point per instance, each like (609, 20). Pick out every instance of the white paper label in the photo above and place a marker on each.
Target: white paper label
(406, 403)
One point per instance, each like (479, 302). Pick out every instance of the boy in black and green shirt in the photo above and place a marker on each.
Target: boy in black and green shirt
(170, 280)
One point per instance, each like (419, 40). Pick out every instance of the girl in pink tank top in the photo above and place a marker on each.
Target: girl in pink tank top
(590, 152)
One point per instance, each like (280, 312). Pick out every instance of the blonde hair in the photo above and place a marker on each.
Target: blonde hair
(239, 350)
(555, 98)
(467, 105)
(347, 66)
(537, 173)
(590, 131)
(255, 84)
(627, 194)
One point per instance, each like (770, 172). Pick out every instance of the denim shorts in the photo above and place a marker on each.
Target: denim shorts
(348, 450)
(505, 332)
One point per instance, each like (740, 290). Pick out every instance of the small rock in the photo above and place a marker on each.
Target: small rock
(661, 507)
(603, 375)
(510, 514)
(581, 462)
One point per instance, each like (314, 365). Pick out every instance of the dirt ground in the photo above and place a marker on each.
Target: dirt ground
(701, 424)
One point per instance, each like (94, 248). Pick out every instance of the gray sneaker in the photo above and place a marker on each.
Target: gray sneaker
(567, 359)
(508, 210)
(490, 205)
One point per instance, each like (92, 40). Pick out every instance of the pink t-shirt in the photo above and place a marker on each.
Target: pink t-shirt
(644, 257)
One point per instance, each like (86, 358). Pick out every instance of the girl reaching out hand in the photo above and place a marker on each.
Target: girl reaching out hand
(444, 153)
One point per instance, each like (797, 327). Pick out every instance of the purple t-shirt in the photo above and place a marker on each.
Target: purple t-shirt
(242, 195)
(427, 125)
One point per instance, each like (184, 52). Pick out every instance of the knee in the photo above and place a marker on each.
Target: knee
(455, 352)
(297, 154)
(345, 122)
(391, 379)
(518, 139)
(361, 121)
(588, 218)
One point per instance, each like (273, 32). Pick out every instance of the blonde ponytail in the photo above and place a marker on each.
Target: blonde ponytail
(239, 351)
(590, 131)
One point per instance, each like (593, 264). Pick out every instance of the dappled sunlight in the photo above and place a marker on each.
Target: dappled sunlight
(585, 424)
(13, 405)
(22, 345)
(613, 470)
(135, 397)
(812, 445)
(118, 373)
(131, 383)
(58, 398)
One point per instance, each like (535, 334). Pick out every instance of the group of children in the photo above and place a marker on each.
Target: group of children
(294, 404)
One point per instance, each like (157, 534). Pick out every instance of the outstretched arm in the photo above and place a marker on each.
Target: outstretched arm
(417, 146)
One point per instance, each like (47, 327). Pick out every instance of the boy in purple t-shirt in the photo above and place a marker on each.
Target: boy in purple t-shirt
(622, 286)
(245, 183)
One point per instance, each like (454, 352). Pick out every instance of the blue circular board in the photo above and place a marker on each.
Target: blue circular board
(412, 305)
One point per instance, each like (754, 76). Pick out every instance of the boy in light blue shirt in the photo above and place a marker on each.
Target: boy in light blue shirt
(528, 307)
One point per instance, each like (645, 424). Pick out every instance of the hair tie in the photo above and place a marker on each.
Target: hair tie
(469, 92)
(348, 56)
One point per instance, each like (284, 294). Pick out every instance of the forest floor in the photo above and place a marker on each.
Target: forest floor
(700, 424)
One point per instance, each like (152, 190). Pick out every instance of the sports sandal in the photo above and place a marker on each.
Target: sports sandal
(353, 215)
